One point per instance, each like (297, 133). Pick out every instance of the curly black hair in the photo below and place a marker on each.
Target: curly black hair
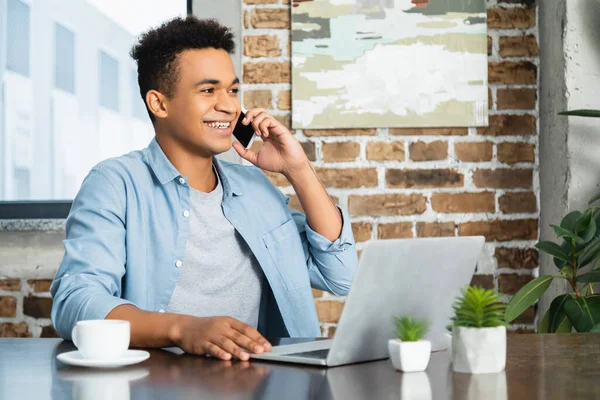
(157, 49)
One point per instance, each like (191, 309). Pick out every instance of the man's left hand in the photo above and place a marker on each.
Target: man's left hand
(280, 151)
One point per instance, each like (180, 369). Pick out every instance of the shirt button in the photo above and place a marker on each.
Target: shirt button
(161, 311)
(186, 213)
(182, 181)
(178, 263)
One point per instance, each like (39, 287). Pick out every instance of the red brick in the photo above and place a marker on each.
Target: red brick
(37, 307)
(267, 72)
(398, 230)
(512, 283)
(424, 178)
(347, 177)
(516, 99)
(503, 125)
(512, 72)
(423, 151)
(261, 46)
(501, 230)
(8, 306)
(40, 285)
(271, 18)
(383, 151)
(429, 131)
(519, 46)
(387, 204)
(485, 281)
(516, 258)
(512, 153)
(463, 202)
(362, 231)
(435, 229)
(14, 330)
(284, 100)
(511, 18)
(258, 99)
(340, 151)
(10, 285)
(503, 178)
(49, 332)
(521, 202)
(329, 310)
(474, 151)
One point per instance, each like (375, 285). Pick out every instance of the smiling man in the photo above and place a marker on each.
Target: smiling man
(195, 252)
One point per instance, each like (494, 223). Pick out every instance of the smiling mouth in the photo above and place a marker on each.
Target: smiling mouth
(219, 125)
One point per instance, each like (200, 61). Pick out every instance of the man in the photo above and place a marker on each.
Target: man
(199, 253)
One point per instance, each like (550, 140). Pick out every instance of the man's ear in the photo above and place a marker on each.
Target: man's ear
(157, 103)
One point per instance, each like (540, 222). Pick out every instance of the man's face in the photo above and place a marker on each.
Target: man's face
(204, 107)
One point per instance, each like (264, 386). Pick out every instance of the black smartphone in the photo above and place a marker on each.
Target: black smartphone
(243, 133)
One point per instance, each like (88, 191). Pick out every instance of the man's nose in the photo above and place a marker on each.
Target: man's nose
(225, 103)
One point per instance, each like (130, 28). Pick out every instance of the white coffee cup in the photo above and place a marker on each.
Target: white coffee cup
(101, 339)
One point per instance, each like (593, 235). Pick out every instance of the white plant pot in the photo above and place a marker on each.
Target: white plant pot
(479, 350)
(409, 356)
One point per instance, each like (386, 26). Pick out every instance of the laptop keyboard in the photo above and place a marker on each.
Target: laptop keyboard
(318, 354)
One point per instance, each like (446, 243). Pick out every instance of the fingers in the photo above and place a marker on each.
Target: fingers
(251, 333)
(218, 352)
(261, 121)
(246, 154)
(230, 347)
(246, 342)
(251, 114)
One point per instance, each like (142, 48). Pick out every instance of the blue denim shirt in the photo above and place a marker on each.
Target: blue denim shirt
(126, 236)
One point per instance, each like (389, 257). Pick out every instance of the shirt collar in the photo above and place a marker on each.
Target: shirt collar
(165, 171)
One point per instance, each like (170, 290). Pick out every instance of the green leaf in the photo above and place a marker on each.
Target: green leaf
(582, 113)
(478, 308)
(589, 277)
(596, 328)
(569, 221)
(562, 232)
(557, 313)
(528, 295)
(583, 312)
(553, 249)
(591, 251)
(588, 233)
(565, 327)
(543, 326)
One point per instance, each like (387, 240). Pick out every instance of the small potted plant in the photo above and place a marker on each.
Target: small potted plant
(409, 352)
(478, 332)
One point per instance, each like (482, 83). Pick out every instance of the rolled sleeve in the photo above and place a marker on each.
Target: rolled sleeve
(331, 264)
(320, 243)
(87, 284)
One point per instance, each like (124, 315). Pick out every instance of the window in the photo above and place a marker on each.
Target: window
(109, 82)
(17, 37)
(64, 59)
(84, 104)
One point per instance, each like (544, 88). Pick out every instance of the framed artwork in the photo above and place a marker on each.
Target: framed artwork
(389, 63)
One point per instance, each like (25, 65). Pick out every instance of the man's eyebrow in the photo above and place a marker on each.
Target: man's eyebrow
(215, 82)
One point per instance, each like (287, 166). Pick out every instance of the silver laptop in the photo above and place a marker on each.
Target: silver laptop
(395, 277)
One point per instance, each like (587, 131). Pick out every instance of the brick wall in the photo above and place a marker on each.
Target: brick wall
(25, 308)
(402, 183)
(394, 182)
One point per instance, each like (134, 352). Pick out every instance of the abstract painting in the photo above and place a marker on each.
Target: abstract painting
(389, 63)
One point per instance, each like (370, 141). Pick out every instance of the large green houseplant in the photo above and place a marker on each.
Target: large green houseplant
(574, 256)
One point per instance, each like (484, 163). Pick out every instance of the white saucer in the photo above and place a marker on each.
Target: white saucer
(130, 357)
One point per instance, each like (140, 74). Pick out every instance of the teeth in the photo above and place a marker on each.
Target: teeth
(219, 125)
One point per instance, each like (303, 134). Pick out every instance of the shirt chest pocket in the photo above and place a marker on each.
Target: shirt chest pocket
(285, 248)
